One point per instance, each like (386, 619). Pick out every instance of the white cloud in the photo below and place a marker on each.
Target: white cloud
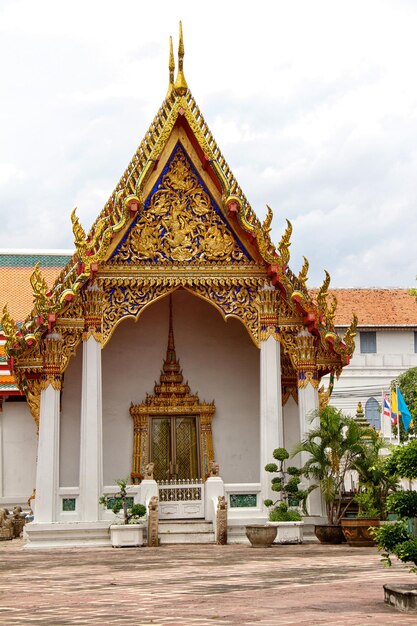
(314, 105)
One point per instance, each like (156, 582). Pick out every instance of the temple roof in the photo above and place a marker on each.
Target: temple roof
(375, 307)
(179, 114)
(15, 271)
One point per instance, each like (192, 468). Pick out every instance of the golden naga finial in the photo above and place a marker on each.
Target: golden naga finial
(181, 86)
(266, 226)
(284, 244)
(171, 67)
(323, 293)
(324, 395)
(78, 230)
(9, 327)
(302, 276)
(331, 312)
(40, 288)
(350, 334)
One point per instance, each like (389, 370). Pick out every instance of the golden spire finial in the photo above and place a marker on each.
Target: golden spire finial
(171, 67)
(181, 86)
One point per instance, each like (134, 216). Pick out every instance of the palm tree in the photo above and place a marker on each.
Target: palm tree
(376, 482)
(332, 447)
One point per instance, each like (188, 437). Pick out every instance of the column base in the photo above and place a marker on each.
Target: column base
(66, 535)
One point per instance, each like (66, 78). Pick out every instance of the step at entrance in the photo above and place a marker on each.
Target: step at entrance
(185, 531)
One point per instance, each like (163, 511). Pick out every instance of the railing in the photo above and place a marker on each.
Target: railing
(187, 490)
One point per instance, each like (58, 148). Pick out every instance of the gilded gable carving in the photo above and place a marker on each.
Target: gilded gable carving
(180, 223)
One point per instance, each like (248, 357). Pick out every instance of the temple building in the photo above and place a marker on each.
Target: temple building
(174, 337)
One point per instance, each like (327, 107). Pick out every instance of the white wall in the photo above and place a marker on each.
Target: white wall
(291, 426)
(368, 374)
(220, 362)
(18, 442)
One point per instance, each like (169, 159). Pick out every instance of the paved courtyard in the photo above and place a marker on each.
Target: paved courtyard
(197, 585)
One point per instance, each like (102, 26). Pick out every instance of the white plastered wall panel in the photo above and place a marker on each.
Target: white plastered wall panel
(19, 448)
(291, 426)
(69, 458)
(368, 375)
(218, 359)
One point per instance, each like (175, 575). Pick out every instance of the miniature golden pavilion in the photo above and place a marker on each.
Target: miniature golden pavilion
(177, 248)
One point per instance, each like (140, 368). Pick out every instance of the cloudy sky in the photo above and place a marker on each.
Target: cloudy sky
(313, 103)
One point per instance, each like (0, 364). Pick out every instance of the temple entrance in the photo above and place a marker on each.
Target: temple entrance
(174, 448)
(172, 430)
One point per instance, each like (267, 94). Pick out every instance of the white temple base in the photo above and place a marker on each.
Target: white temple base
(67, 535)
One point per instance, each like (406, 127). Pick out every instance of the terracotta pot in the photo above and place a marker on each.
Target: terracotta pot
(261, 535)
(356, 531)
(327, 533)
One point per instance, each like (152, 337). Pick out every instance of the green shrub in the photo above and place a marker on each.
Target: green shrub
(403, 503)
(280, 454)
(282, 513)
(286, 485)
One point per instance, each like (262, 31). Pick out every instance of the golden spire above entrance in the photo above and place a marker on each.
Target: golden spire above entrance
(172, 375)
(181, 86)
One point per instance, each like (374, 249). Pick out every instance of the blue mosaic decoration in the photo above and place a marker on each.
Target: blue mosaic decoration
(243, 500)
(68, 504)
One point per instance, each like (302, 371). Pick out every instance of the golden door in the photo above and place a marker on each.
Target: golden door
(174, 448)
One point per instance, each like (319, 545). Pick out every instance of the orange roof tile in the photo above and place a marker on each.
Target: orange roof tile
(375, 307)
(16, 290)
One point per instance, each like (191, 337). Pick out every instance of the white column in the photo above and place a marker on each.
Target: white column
(47, 469)
(308, 403)
(91, 439)
(271, 422)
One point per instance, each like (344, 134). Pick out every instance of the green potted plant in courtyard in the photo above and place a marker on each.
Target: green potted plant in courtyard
(284, 512)
(376, 482)
(332, 447)
(400, 538)
(128, 531)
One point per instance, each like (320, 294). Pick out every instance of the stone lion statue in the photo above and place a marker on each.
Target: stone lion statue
(149, 471)
(214, 469)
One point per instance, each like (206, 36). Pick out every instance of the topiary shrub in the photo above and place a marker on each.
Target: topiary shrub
(286, 484)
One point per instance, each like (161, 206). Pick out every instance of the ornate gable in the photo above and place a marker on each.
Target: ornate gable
(180, 223)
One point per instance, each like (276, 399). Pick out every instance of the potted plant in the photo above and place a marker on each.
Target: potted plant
(284, 513)
(128, 531)
(376, 482)
(332, 447)
(400, 538)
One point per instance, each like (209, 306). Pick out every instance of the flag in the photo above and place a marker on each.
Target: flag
(386, 407)
(394, 408)
(386, 423)
(403, 409)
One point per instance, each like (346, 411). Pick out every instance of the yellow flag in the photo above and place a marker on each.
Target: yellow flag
(394, 407)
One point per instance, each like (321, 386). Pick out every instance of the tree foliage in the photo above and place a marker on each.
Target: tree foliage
(407, 382)
(377, 478)
(333, 447)
(397, 539)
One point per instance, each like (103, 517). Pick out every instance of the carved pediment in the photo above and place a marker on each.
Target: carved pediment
(180, 223)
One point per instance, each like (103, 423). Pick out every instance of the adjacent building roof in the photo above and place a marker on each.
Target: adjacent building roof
(375, 307)
(15, 271)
